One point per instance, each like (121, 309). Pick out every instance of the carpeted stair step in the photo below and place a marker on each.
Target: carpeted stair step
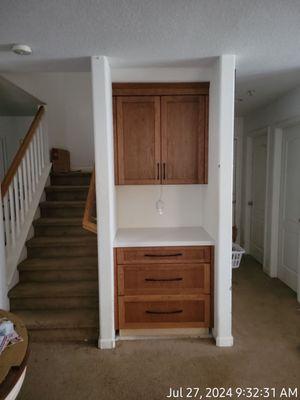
(62, 246)
(62, 209)
(66, 193)
(54, 295)
(60, 227)
(61, 325)
(58, 269)
(57, 295)
(71, 178)
(68, 263)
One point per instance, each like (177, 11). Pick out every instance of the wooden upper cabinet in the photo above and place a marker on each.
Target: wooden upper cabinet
(161, 133)
(183, 139)
(138, 139)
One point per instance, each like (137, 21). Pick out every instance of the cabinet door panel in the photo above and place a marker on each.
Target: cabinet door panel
(184, 139)
(138, 139)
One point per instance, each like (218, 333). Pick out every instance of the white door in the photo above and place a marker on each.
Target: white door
(257, 203)
(289, 222)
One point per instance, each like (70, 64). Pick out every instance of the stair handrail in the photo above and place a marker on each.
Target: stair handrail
(21, 189)
(89, 221)
(21, 151)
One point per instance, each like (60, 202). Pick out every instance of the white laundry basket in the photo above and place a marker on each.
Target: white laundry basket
(237, 253)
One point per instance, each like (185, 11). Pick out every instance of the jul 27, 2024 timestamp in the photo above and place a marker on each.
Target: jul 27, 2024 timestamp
(233, 393)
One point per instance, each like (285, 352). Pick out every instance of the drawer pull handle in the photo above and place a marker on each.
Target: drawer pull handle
(163, 255)
(163, 280)
(164, 312)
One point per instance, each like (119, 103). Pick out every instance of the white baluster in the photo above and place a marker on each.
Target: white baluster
(29, 175)
(6, 220)
(46, 141)
(21, 191)
(42, 144)
(12, 216)
(32, 167)
(25, 183)
(35, 160)
(17, 203)
(39, 151)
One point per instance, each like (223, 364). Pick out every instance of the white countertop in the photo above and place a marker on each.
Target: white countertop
(151, 237)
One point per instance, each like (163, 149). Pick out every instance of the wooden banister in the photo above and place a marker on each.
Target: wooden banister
(20, 153)
(89, 221)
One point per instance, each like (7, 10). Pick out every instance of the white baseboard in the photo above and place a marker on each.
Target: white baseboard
(288, 277)
(224, 341)
(106, 344)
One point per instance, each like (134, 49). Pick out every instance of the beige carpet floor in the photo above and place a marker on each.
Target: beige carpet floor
(266, 328)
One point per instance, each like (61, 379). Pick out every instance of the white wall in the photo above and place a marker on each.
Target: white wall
(69, 111)
(183, 203)
(286, 107)
(218, 197)
(136, 206)
(12, 130)
(105, 192)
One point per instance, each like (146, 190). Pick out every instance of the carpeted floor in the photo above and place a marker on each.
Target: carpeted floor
(266, 328)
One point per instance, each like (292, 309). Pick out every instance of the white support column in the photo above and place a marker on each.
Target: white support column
(223, 270)
(4, 304)
(105, 192)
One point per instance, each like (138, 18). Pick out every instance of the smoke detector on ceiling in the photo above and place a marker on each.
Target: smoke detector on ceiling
(21, 49)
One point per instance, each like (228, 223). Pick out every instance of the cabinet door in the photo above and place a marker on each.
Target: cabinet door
(138, 140)
(184, 139)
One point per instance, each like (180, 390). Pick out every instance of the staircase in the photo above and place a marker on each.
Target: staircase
(57, 295)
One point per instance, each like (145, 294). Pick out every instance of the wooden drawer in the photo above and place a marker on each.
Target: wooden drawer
(163, 279)
(164, 311)
(151, 255)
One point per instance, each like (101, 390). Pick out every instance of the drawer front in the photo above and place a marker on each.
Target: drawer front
(163, 279)
(151, 255)
(147, 312)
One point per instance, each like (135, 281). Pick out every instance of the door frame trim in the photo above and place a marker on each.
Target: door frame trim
(275, 201)
(248, 194)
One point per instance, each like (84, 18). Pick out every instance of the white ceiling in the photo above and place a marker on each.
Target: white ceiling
(264, 34)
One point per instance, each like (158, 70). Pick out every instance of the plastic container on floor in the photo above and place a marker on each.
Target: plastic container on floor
(237, 253)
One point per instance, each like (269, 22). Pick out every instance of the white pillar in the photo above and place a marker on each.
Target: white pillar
(4, 303)
(223, 269)
(105, 192)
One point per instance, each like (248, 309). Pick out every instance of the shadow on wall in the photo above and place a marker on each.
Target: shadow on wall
(17, 109)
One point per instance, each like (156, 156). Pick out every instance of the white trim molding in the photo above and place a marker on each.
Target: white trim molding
(224, 341)
(275, 202)
(248, 192)
(106, 344)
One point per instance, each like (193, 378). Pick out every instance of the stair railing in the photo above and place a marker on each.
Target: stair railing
(22, 188)
(89, 221)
